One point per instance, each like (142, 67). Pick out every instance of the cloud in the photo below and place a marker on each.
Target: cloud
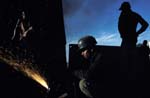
(109, 39)
(104, 39)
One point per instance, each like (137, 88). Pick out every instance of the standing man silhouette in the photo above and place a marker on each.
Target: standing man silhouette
(127, 25)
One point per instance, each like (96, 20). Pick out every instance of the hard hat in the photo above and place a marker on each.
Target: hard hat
(86, 42)
(125, 6)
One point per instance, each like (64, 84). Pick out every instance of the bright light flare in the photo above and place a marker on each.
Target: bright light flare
(25, 67)
(37, 77)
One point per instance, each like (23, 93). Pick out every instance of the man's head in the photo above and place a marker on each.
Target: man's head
(145, 42)
(125, 6)
(23, 14)
(86, 45)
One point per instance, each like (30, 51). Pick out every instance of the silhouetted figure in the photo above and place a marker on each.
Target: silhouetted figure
(127, 26)
(144, 53)
(90, 67)
(146, 48)
(144, 62)
(19, 38)
(21, 30)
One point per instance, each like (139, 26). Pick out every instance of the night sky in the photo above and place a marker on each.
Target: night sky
(100, 19)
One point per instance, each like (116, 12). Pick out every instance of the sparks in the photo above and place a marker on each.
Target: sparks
(25, 67)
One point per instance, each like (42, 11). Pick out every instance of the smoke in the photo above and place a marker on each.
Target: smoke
(108, 39)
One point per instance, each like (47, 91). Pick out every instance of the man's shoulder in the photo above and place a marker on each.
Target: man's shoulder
(136, 14)
(98, 53)
(98, 56)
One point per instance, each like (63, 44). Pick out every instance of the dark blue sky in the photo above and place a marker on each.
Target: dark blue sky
(100, 19)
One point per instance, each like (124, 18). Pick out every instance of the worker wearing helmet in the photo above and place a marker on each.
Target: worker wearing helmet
(86, 45)
(92, 57)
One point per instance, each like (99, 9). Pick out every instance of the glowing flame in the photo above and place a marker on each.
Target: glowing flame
(40, 80)
(25, 67)
(36, 76)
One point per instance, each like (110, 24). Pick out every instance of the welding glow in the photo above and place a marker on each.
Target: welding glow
(35, 76)
(26, 68)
